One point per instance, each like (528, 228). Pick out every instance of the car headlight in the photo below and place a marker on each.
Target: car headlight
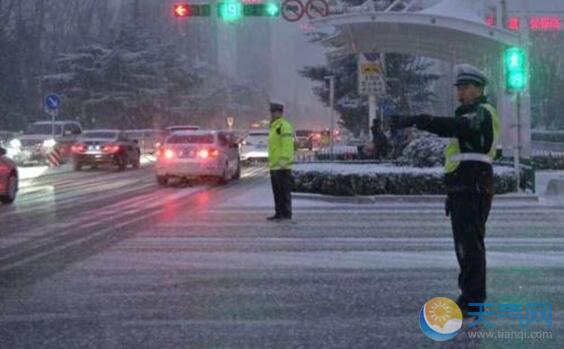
(49, 143)
(15, 143)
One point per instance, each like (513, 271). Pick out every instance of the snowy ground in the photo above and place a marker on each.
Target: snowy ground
(32, 172)
(108, 259)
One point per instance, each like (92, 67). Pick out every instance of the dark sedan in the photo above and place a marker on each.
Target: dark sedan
(105, 148)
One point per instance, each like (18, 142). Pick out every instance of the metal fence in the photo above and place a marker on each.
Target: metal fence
(338, 153)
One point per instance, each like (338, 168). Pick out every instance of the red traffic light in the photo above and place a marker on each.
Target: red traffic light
(187, 10)
(181, 10)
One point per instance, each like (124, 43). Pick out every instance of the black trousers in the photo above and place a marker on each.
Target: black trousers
(469, 213)
(282, 190)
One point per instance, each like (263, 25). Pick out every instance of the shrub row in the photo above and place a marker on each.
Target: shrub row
(402, 183)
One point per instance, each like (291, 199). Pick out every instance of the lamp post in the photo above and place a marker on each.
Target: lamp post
(331, 79)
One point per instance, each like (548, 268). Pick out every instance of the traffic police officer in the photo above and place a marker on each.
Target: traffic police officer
(469, 176)
(280, 159)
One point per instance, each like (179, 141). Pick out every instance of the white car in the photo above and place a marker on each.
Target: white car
(41, 138)
(198, 154)
(255, 146)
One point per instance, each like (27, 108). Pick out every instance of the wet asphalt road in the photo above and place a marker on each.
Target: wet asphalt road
(109, 260)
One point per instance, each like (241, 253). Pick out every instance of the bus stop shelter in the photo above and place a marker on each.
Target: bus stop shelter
(451, 31)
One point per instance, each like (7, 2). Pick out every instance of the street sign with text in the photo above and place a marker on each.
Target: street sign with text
(371, 81)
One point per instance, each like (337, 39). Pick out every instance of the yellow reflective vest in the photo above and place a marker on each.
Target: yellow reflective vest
(452, 151)
(280, 145)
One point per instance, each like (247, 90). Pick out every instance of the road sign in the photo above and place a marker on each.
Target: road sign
(52, 102)
(54, 158)
(230, 121)
(292, 10)
(371, 81)
(316, 9)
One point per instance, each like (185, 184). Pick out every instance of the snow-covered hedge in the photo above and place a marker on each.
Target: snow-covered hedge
(346, 179)
(424, 150)
(549, 161)
(548, 135)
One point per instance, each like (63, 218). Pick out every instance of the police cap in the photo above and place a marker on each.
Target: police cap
(276, 106)
(468, 74)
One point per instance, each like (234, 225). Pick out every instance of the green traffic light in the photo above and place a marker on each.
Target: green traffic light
(514, 59)
(230, 11)
(517, 81)
(272, 9)
(515, 68)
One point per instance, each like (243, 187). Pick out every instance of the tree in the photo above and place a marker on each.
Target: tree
(409, 87)
(547, 79)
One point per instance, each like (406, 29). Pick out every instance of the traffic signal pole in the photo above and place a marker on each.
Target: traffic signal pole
(517, 145)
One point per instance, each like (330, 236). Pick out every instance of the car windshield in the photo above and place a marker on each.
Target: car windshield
(99, 134)
(258, 134)
(191, 139)
(302, 133)
(42, 129)
(135, 134)
(183, 128)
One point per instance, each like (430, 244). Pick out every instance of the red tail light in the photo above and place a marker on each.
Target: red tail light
(78, 148)
(208, 153)
(169, 154)
(110, 148)
(165, 153)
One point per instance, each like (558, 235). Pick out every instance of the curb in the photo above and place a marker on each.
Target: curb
(373, 199)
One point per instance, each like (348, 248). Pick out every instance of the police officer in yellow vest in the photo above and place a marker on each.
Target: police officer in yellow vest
(280, 159)
(469, 176)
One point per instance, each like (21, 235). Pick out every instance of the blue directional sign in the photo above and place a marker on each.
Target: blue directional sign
(52, 102)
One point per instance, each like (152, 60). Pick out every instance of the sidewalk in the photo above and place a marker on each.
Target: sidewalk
(542, 178)
(431, 199)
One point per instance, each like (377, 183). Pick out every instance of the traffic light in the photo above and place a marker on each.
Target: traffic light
(515, 62)
(230, 10)
(234, 10)
(191, 10)
(269, 9)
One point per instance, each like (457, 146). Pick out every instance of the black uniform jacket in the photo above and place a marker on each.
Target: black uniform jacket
(473, 127)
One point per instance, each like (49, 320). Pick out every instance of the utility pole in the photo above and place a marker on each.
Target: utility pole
(331, 79)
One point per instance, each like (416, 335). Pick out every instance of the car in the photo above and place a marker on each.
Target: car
(41, 138)
(201, 154)
(148, 139)
(303, 139)
(5, 137)
(255, 146)
(104, 147)
(172, 129)
(8, 178)
(315, 140)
